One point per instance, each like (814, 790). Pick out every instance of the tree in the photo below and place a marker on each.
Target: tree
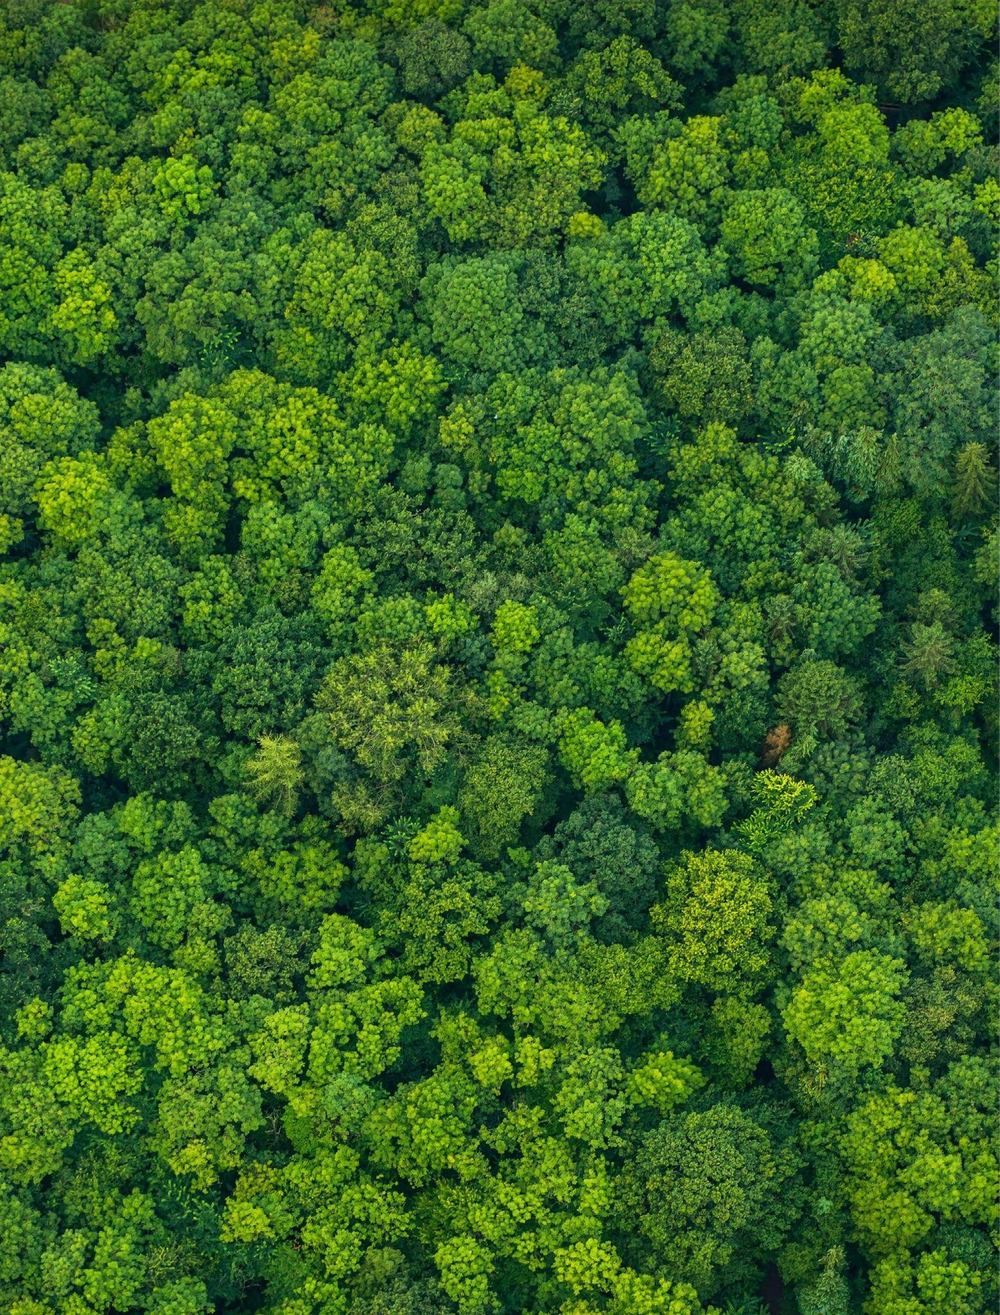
(923, 1150)
(476, 314)
(688, 172)
(700, 1186)
(830, 1294)
(929, 653)
(671, 599)
(508, 172)
(35, 221)
(594, 753)
(43, 419)
(706, 378)
(972, 481)
(386, 705)
(432, 58)
(39, 806)
(910, 53)
(819, 697)
(847, 1014)
(600, 843)
(321, 333)
(681, 792)
(768, 238)
(276, 771)
(566, 444)
(715, 921)
(619, 79)
(500, 789)
(646, 268)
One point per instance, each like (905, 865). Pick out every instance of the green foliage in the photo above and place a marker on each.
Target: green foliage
(276, 773)
(497, 693)
(698, 1185)
(847, 1014)
(668, 600)
(770, 243)
(716, 921)
(501, 787)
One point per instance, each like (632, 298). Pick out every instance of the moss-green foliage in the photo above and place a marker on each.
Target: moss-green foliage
(497, 684)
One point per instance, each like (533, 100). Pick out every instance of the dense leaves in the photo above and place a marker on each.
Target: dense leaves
(497, 673)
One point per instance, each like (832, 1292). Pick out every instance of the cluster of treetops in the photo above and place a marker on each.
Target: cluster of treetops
(497, 681)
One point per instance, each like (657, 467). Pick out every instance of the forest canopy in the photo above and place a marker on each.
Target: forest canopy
(498, 702)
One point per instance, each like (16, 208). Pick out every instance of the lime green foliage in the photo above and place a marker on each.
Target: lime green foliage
(275, 771)
(498, 689)
(848, 1014)
(715, 921)
(668, 600)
